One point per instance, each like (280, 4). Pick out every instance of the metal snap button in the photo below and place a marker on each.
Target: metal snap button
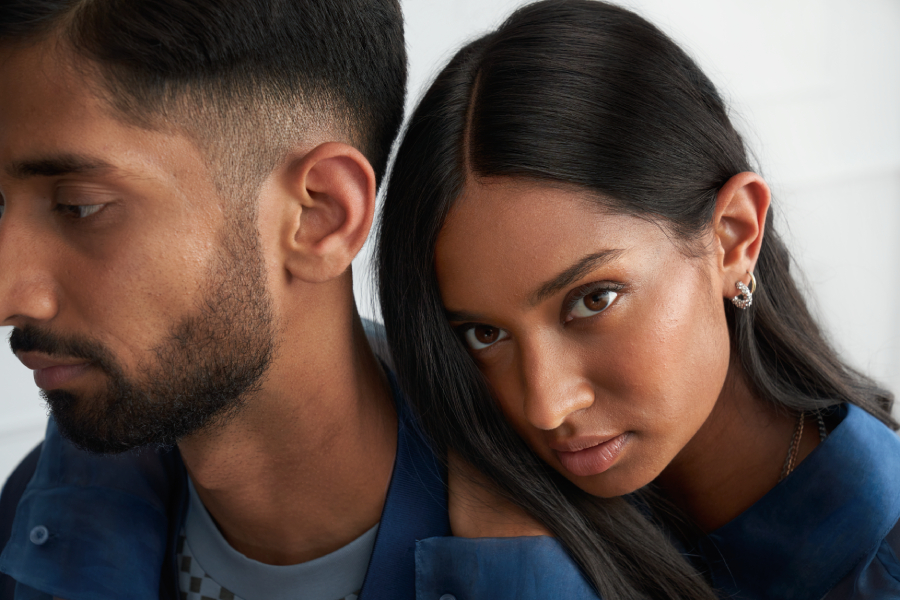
(447, 597)
(39, 535)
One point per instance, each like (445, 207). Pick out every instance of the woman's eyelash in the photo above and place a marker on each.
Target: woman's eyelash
(469, 334)
(587, 289)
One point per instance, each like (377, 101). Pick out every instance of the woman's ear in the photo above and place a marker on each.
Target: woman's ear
(739, 224)
(333, 190)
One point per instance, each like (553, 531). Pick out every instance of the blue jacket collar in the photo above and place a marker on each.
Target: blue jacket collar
(415, 509)
(809, 531)
(113, 522)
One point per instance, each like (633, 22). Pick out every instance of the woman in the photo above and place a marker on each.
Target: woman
(587, 301)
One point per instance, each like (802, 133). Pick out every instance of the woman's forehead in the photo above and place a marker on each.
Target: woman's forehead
(518, 236)
(533, 217)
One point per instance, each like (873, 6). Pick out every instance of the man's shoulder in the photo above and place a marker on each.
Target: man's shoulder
(14, 488)
(9, 500)
(91, 508)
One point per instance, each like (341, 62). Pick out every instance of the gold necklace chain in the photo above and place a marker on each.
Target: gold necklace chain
(790, 460)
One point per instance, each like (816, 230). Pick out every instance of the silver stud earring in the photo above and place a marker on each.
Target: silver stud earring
(745, 298)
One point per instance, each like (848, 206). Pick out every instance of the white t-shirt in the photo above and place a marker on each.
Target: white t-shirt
(210, 569)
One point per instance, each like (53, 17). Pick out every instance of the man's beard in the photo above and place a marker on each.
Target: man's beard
(197, 378)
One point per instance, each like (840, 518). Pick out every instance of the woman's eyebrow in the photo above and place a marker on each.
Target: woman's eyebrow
(462, 315)
(572, 274)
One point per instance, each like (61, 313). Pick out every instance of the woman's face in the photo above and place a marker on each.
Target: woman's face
(605, 345)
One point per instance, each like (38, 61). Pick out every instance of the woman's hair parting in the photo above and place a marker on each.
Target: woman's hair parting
(584, 94)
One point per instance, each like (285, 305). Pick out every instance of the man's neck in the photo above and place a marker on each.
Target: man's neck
(304, 468)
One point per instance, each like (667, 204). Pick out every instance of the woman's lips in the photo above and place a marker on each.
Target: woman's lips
(593, 459)
(51, 373)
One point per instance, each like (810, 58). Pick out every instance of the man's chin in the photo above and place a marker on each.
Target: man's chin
(124, 419)
(92, 425)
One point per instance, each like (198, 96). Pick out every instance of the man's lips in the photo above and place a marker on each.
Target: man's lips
(51, 372)
(590, 456)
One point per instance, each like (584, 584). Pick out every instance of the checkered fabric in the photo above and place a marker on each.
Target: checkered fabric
(193, 581)
(195, 584)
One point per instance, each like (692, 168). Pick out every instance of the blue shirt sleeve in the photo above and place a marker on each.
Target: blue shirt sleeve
(521, 568)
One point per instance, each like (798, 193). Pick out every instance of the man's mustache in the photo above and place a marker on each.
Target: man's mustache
(33, 339)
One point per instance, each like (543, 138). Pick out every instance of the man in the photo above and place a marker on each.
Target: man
(184, 185)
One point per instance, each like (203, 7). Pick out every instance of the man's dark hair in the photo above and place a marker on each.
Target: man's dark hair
(245, 79)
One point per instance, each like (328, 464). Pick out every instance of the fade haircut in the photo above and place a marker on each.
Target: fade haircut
(245, 79)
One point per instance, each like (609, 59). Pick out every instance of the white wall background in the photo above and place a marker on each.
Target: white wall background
(816, 88)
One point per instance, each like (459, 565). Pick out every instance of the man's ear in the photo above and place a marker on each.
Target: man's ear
(333, 190)
(739, 223)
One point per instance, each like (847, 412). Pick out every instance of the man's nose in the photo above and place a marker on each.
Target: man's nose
(554, 386)
(27, 288)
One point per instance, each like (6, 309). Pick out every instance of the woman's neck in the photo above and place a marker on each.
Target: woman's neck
(735, 458)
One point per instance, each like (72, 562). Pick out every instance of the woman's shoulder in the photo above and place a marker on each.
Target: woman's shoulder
(877, 576)
(877, 573)
(832, 520)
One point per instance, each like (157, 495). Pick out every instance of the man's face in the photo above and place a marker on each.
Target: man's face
(137, 294)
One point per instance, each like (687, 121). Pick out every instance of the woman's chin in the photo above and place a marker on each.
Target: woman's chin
(609, 484)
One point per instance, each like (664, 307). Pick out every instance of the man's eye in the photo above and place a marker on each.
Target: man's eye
(79, 211)
(592, 304)
(481, 336)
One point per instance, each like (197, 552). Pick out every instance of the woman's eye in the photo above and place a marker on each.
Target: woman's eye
(79, 211)
(481, 336)
(591, 304)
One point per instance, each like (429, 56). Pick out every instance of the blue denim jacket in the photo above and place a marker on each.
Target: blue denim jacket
(97, 528)
(829, 530)
(92, 527)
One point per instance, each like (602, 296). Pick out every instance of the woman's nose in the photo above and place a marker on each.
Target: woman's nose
(554, 387)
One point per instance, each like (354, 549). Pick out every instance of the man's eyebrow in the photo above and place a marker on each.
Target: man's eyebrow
(56, 166)
(572, 274)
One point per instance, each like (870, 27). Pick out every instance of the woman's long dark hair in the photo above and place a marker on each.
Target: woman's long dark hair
(583, 93)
